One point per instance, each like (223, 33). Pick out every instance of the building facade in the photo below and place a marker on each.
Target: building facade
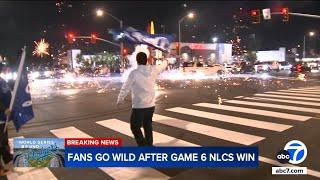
(210, 53)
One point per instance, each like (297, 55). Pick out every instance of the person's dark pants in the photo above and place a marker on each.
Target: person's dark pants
(142, 118)
(4, 145)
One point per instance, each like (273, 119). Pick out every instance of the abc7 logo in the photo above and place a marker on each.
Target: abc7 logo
(294, 152)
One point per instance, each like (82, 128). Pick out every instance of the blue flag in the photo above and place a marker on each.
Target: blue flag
(22, 110)
(131, 35)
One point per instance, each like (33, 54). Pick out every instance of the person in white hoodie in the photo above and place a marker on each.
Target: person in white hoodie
(141, 81)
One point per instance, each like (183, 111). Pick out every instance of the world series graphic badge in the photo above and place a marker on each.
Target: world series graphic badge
(38, 152)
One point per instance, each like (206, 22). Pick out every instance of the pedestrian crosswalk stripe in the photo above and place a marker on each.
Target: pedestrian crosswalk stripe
(310, 88)
(116, 173)
(302, 92)
(29, 173)
(305, 90)
(288, 97)
(227, 135)
(231, 119)
(282, 100)
(112, 124)
(135, 173)
(278, 106)
(294, 94)
(254, 111)
(159, 138)
(69, 132)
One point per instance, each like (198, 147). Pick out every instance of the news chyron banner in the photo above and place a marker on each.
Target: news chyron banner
(109, 152)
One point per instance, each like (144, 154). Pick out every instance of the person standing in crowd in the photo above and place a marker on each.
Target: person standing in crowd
(5, 98)
(141, 81)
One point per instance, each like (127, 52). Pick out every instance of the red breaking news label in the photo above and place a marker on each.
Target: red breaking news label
(92, 142)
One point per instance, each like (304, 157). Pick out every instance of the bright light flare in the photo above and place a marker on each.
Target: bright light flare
(265, 76)
(99, 12)
(41, 48)
(69, 77)
(311, 33)
(35, 75)
(191, 15)
(214, 39)
(301, 77)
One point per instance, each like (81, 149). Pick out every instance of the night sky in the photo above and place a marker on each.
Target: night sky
(24, 22)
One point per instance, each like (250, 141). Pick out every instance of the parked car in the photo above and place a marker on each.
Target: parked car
(41, 74)
(266, 66)
(314, 66)
(190, 67)
(246, 68)
(285, 65)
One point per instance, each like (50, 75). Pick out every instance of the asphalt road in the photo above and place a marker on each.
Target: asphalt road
(255, 111)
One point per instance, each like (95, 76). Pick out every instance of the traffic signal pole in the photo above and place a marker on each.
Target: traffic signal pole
(104, 40)
(300, 14)
(305, 15)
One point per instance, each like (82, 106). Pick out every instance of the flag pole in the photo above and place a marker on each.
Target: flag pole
(16, 84)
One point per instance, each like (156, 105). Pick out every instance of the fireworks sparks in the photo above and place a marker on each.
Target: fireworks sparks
(41, 48)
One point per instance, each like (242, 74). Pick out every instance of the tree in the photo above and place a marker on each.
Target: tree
(83, 62)
(107, 59)
(251, 57)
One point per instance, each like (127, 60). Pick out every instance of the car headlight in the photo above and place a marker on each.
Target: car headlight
(264, 67)
(35, 74)
(47, 73)
(14, 75)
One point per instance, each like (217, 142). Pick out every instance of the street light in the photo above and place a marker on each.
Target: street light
(311, 33)
(100, 13)
(214, 39)
(190, 15)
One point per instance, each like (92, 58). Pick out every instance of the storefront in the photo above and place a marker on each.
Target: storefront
(217, 53)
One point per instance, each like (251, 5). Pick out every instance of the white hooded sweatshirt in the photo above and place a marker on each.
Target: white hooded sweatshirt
(141, 82)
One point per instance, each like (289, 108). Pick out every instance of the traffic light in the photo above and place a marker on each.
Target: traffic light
(71, 38)
(299, 68)
(255, 16)
(285, 14)
(125, 51)
(93, 38)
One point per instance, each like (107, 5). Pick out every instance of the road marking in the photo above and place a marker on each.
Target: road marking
(231, 119)
(28, 173)
(277, 106)
(224, 134)
(305, 90)
(283, 100)
(69, 132)
(302, 92)
(112, 124)
(159, 138)
(288, 97)
(294, 94)
(116, 173)
(253, 111)
(310, 88)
